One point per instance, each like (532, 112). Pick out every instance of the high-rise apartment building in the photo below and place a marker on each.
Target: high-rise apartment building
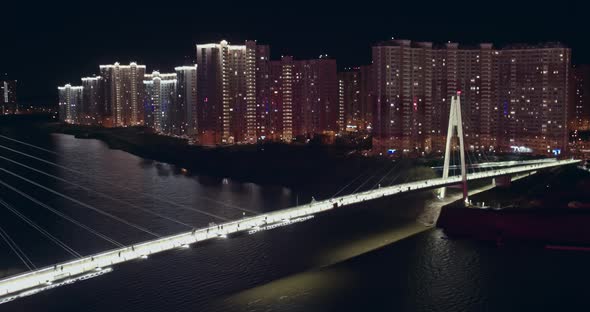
(92, 107)
(239, 78)
(355, 99)
(214, 89)
(160, 102)
(514, 96)
(315, 97)
(403, 89)
(579, 112)
(287, 107)
(342, 124)
(212, 86)
(185, 112)
(227, 93)
(8, 104)
(280, 114)
(533, 90)
(473, 72)
(263, 90)
(243, 96)
(305, 97)
(70, 101)
(350, 118)
(123, 85)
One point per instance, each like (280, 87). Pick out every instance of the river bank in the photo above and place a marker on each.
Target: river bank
(292, 165)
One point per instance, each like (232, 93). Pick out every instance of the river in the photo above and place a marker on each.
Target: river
(347, 260)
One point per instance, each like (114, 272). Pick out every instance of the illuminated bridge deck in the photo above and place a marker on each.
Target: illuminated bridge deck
(21, 284)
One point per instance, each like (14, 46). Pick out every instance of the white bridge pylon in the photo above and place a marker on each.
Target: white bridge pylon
(455, 125)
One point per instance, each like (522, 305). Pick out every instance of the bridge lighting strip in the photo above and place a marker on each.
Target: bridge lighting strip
(14, 285)
(51, 285)
(101, 271)
(279, 224)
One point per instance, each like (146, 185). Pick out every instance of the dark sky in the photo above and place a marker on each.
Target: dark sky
(43, 45)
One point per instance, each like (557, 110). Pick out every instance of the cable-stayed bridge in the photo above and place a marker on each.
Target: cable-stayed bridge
(84, 267)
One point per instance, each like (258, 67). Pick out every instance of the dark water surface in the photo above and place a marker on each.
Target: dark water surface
(421, 273)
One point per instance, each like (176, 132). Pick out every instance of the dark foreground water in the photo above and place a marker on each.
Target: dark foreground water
(286, 269)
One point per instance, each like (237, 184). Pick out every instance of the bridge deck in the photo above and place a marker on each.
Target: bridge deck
(16, 286)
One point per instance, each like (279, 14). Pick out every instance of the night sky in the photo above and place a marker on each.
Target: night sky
(50, 44)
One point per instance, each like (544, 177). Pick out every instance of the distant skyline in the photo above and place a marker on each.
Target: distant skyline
(51, 44)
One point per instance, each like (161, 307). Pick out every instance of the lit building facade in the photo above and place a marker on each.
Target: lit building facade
(92, 107)
(212, 115)
(214, 98)
(316, 107)
(349, 95)
(227, 95)
(472, 71)
(533, 89)
(70, 101)
(403, 89)
(8, 103)
(341, 102)
(184, 116)
(281, 105)
(515, 96)
(123, 87)
(160, 102)
(355, 99)
(263, 90)
(580, 98)
(304, 98)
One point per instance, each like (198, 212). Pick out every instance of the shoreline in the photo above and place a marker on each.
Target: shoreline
(299, 166)
(289, 165)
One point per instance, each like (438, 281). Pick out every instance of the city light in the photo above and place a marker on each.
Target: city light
(164, 140)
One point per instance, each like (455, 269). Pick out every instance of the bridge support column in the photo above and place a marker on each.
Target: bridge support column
(455, 124)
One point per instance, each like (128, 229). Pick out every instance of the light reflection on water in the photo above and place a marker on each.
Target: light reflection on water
(214, 270)
(264, 271)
